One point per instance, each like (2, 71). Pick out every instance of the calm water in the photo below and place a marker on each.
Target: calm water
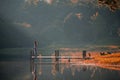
(15, 65)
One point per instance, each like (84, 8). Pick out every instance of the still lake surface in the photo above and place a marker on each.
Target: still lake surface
(15, 65)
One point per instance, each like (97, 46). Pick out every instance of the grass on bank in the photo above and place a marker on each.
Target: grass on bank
(112, 59)
(109, 59)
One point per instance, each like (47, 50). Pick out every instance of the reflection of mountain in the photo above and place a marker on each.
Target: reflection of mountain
(56, 25)
(12, 37)
(68, 35)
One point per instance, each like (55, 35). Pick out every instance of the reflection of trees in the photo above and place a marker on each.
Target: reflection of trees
(55, 68)
(61, 69)
(111, 4)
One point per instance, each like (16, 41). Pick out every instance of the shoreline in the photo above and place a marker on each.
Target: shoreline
(110, 61)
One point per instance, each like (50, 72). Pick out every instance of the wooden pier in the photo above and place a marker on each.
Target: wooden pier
(36, 58)
(53, 57)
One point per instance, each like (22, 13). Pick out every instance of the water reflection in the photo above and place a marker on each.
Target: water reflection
(67, 68)
(19, 69)
(56, 68)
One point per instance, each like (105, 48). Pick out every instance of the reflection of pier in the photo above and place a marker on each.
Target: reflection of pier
(34, 63)
(35, 60)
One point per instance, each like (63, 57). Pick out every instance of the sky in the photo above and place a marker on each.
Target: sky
(59, 23)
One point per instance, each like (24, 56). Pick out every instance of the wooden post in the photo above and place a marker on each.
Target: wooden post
(31, 61)
(84, 54)
(35, 49)
(56, 55)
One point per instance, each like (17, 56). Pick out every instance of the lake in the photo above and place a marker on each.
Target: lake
(15, 65)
